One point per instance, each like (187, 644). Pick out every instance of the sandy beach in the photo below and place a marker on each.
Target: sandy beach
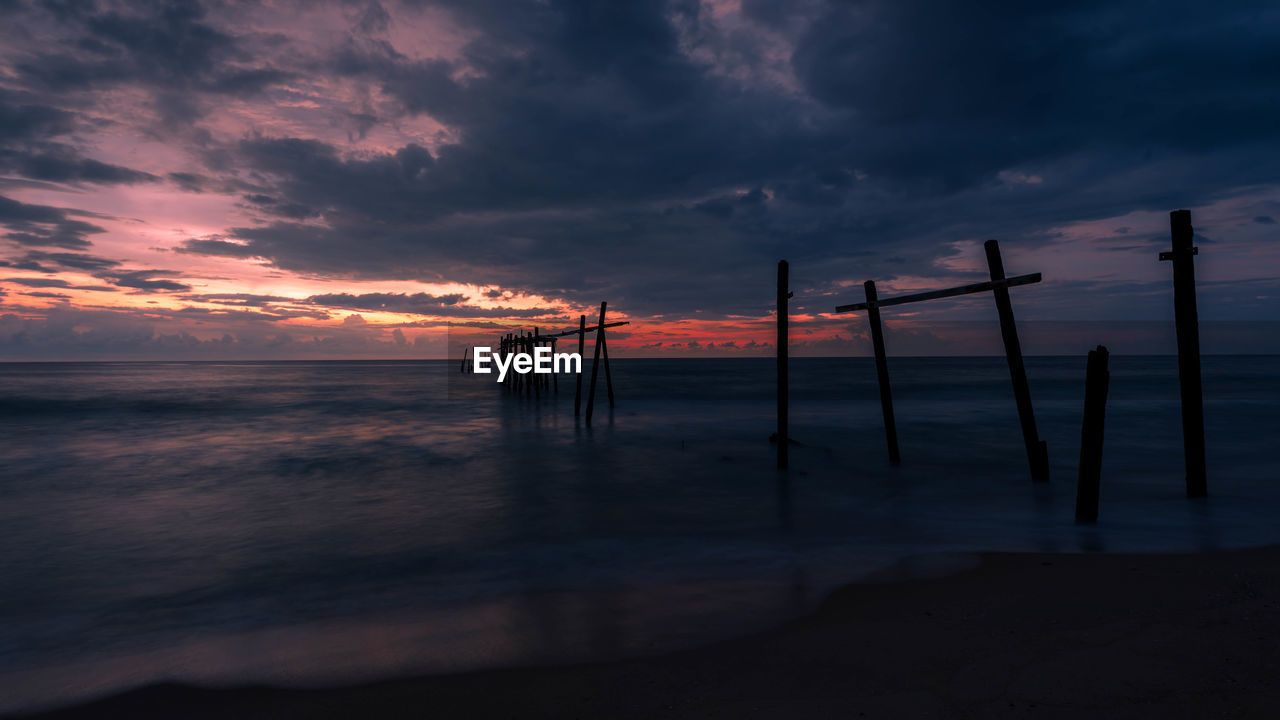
(1104, 636)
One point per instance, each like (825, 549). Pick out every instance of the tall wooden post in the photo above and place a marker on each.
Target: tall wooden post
(595, 365)
(784, 438)
(1097, 379)
(604, 353)
(882, 372)
(1188, 323)
(1037, 452)
(582, 339)
(536, 379)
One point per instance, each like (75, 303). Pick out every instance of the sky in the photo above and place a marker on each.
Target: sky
(290, 180)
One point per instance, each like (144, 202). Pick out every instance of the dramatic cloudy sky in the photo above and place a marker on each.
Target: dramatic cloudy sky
(310, 179)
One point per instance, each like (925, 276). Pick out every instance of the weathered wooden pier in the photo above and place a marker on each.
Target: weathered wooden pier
(534, 384)
(1037, 453)
(1097, 383)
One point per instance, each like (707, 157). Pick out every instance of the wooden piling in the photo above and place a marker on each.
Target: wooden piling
(1097, 378)
(882, 373)
(582, 339)
(595, 364)
(1037, 452)
(537, 379)
(1187, 320)
(608, 373)
(784, 443)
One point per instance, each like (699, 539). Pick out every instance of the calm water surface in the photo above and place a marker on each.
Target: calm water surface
(309, 523)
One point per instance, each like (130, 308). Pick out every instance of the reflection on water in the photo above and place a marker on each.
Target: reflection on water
(306, 522)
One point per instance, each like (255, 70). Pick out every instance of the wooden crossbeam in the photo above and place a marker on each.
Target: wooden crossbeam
(592, 328)
(949, 292)
(998, 286)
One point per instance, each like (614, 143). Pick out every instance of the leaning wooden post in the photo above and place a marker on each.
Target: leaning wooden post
(1037, 452)
(1187, 319)
(555, 376)
(582, 339)
(604, 353)
(595, 365)
(882, 372)
(784, 442)
(1097, 379)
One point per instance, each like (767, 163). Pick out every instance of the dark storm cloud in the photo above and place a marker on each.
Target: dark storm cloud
(54, 283)
(954, 95)
(237, 299)
(273, 315)
(39, 282)
(72, 261)
(66, 331)
(649, 153)
(421, 304)
(56, 163)
(592, 141)
(145, 280)
(43, 225)
(217, 247)
(158, 44)
(26, 148)
(21, 120)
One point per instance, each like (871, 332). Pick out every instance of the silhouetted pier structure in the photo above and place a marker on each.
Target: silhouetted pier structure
(1037, 453)
(535, 383)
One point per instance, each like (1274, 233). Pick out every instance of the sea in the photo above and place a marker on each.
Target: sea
(319, 523)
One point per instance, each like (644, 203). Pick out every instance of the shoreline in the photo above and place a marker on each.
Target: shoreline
(1060, 635)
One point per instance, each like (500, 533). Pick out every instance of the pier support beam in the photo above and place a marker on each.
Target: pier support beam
(595, 364)
(582, 339)
(1097, 379)
(882, 372)
(604, 353)
(1188, 323)
(1037, 451)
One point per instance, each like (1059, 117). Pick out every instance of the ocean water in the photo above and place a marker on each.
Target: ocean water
(331, 522)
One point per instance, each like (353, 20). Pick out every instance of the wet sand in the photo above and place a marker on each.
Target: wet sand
(1020, 635)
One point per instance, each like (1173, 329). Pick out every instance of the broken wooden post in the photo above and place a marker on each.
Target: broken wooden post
(1188, 323)
(582, 339)
(1037, 451)
(1097, 378)
(882, 372)
(784, 441)
(595, 364)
